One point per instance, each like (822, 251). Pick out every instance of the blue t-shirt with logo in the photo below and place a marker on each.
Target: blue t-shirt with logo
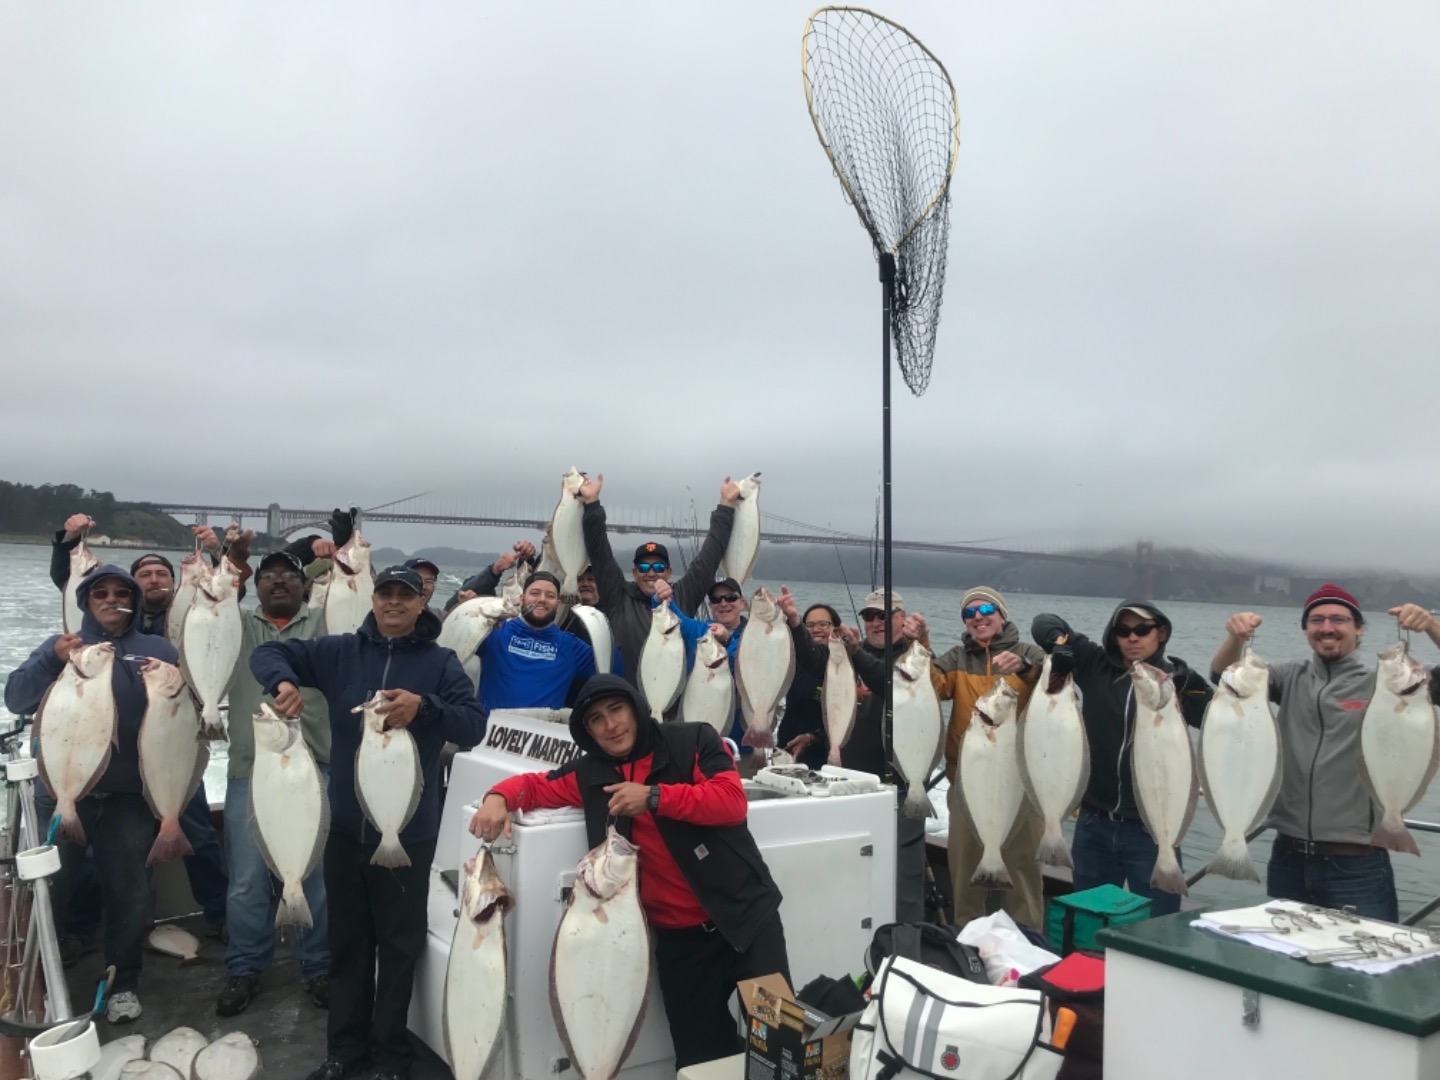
(522, 667)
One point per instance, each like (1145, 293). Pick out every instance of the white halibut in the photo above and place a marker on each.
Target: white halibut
(319, 589)
(77, 725)
(764, 668)
(989, 776)
(662, 661)
(172, 755)
(600, 963)
(567, 535)
(710, 690)
(1162, 768)
(193, 568)
(230, 1057)
(602, 641)
(469, 624)
(839, 698)
(1240, 762)
(348, 597)
(178, 1048)
(290, 810)
(144, 1069)
(918, 727)
(115, 1055)
(744, 546)
(1054, 759)
(82, 561)
(475, 991)
(213, 634)
(1399, 747)
(388, 781)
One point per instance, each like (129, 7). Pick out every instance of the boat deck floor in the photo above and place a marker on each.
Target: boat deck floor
(285, 1023)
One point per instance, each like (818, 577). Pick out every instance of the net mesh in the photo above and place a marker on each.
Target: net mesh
(885, 112)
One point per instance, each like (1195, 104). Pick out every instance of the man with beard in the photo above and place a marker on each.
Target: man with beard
(1324, 819)
(672, 790)
(282, 615)
(377, 926)
(528, 662)
(627, 603)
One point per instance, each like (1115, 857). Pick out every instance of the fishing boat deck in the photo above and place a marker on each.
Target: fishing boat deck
(287, 1026)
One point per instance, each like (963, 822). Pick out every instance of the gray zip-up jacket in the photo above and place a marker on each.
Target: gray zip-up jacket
(1322, 703)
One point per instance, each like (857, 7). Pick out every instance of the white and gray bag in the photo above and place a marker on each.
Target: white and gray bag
(925, 1023)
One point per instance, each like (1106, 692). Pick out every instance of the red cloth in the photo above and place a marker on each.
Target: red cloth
(1330, 593)
(665, 895)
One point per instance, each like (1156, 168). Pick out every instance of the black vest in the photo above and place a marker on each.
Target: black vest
(721, 863)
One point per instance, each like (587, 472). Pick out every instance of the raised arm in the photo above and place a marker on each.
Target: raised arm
(696, 582)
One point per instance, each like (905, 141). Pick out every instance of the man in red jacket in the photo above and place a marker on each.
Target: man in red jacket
(673, 791)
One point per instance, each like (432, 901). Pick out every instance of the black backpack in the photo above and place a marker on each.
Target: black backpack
(928, 944)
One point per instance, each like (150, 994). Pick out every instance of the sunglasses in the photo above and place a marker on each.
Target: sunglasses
(111, 594)
(728, 598)
(1144, 629)
(978, 609)
(872, 616)
(652, 567)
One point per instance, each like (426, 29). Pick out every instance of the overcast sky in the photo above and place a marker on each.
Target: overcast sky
(327, 253)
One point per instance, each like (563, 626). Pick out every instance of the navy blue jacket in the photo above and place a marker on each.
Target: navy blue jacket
(348, 669)
(28, 683)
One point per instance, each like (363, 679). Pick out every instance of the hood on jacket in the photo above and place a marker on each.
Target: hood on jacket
(1006, 639)
(598, 687)
(427, 628)
(1111, 651)
(88, 622)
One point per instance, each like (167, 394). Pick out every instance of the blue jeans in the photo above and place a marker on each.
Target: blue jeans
(1119, 853)
(1363, 882)
(120, 829)
(255, 893)
(206, 866)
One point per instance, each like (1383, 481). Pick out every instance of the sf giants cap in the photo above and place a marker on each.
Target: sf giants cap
(652, 552)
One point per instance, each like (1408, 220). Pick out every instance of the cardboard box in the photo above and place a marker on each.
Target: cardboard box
(786, 1040)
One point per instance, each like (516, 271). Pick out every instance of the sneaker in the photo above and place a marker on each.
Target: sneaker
(335, 1069)
(319, 990)
(123, 1007)
(235, 998)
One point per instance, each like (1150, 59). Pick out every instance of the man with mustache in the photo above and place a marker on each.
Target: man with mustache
(528, 662)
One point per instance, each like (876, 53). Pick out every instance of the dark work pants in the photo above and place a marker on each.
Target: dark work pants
(376, 914)
(698, 971)
(120, 829)
(206, 866)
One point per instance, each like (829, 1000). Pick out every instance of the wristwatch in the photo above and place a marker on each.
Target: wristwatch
(652, 803)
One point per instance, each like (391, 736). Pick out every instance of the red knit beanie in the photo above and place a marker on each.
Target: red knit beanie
(1330, 593)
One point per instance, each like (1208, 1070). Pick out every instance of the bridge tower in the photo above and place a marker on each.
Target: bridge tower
(1144, 570)
(273, 525)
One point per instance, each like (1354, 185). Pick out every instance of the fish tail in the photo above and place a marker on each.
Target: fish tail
(170, 844)
(570, 587)
(293, 909)
(917, 804)
(1233, 861)
(992, 872)
(1167, 875)
(390, 852)
(834, 757)
(210, 716)
(1392, 834)
(760, 738)
(1053, 851)
(70, 827)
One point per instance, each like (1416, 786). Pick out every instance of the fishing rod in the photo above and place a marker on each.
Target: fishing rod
(844, 577)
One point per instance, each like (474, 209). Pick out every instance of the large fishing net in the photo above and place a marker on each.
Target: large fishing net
(886, 115)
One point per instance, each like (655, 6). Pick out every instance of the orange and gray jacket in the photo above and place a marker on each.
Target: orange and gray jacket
(965, 674)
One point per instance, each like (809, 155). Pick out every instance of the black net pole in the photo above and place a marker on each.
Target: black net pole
(887, 303)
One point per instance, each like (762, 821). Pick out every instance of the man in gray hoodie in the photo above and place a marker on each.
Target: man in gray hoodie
(1323, 817)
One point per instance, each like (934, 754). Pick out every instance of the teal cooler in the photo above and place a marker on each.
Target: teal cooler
(1073, 920)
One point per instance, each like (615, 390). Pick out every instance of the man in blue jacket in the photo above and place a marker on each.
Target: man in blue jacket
(528, 662)
(376, 910)
(117, 820)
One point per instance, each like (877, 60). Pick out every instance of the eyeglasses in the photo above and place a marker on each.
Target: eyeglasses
(872, 616)
(728, 598)
(266, 576)
(1333, 620)
(652, 567)
(1144, 629)
(819, 624)
(978, 609)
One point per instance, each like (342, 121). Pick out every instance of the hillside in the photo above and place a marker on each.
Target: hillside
(35, 513)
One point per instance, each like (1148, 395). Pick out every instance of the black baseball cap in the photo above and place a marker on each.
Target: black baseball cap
(652, 551)
(291, 562)
(417, 563)
(727, 585)
(400, 575)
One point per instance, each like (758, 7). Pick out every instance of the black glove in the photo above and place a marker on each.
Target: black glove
(1047, 629)
(342, 525)
(1062, 661)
